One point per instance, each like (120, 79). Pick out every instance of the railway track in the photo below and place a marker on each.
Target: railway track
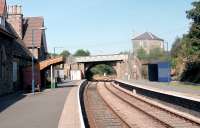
(99, 114)
(145, 111)
(108, 105)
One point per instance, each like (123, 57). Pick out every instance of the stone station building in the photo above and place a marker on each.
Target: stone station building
(14, 56)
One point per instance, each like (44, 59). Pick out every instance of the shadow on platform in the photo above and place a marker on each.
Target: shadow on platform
(66, 86)
(8, 100)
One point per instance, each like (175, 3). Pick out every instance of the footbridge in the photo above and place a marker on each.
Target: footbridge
(51, 61)
(40, 70)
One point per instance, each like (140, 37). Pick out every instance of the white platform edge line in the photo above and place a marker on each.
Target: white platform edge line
(79, 106)
(61, 123)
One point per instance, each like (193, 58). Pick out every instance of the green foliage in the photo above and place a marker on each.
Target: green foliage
(101, 69)
(141, 54)
(186, 50)
(194, 13)
(65, 53)
(173, 62)
(89, 75)
(155, 54)
(124, 52)
(81, 52)
(194, 33)
(53, 54)
(181, 48)
(176, 47)
(191, 73)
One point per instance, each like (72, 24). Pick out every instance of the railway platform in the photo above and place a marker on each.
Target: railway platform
(50, 108)
(71, 116)
(182, 98)
(186, 91)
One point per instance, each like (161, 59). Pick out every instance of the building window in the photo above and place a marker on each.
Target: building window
(162, 45)
(145, 44)
(141, 44)
(14, 71)
(2, 22)
(1, 64)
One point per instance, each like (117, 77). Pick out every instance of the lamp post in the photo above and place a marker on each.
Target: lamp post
(54, 50)
(33, 46)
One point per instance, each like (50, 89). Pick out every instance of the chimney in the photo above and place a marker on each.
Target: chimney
(15, 10)
(19, 9)
(15, 18)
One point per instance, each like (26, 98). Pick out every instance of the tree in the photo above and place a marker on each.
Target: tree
(186, 50)
(154, 54)
(52, 54)
(65, 53)
(81, 52)
(101, 69)
(194, 33)
(176, 47)
(124, 52)
(180, 49)
(157, 54)
(141, 54)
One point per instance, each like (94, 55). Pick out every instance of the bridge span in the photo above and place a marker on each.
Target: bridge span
(119, 62)
(104, 58)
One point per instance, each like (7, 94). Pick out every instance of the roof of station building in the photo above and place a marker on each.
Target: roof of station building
(31, 24)
(147, 36)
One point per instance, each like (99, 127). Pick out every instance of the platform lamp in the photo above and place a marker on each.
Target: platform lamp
(54, 50)
(33, 46)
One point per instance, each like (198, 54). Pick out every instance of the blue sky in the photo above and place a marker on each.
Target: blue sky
(107, 26)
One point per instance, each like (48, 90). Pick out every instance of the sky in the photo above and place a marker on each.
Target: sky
(107, 26)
